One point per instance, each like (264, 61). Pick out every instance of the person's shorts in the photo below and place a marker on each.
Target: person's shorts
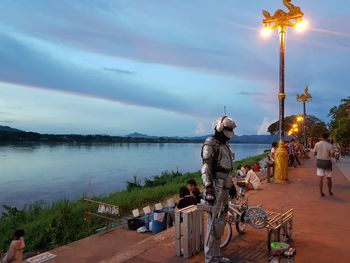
(323, 172)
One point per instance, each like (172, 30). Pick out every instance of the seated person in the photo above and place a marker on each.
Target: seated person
(240, 173)
(15, 252)
(253, 181)
(194, 190)
(186, 199)
(256, 168)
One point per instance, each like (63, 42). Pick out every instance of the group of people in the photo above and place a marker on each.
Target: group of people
(189, 195)
(296, 152)
(246, 176)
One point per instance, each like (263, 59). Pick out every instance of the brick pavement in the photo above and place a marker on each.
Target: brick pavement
(321, 227)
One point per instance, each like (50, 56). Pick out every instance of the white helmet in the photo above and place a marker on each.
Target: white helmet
(225, 125)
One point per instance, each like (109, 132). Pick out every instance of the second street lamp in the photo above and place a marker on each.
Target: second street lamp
(281, 20)
(304, 97)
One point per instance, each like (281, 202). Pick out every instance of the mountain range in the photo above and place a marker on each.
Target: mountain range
(236, 139)
(9, 134)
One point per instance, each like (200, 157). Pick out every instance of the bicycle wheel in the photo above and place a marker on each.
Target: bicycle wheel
(256, 216)
(241, 227)
(227, 236)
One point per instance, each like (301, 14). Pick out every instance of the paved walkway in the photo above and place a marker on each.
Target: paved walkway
(344, 166)
(321, 228)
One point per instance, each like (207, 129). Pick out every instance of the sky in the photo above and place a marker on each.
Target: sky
(164, 67)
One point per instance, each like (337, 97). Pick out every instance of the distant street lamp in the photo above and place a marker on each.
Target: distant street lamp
(281, 20)
(304, 97)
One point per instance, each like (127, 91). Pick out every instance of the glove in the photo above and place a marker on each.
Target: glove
(209, 195)
(233, 192)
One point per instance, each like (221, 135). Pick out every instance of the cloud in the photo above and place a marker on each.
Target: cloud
(262, 128)
(200, 129)
(120, 71)
(103, 32)
(5, 121)
(39, 69)
(249, 93)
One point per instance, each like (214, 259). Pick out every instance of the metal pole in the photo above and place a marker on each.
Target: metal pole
(304, 125)
(281, 155)
(281, 94)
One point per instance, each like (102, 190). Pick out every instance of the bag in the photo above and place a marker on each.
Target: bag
(324, 164)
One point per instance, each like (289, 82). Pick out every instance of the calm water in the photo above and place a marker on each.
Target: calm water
(48, 173)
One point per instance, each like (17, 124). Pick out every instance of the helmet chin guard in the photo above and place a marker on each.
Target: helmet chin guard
(226, 126)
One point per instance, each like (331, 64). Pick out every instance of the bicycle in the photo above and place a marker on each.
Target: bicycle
(242, 215)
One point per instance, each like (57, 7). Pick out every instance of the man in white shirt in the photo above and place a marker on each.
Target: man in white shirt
(323, 151)
(252, 179)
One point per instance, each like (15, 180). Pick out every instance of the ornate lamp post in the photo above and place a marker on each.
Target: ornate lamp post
(304, 97)
(281, 20)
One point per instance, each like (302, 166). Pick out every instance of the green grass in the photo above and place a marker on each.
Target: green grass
(62, 222)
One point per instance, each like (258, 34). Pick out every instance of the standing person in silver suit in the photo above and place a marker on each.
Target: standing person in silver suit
(217, 179)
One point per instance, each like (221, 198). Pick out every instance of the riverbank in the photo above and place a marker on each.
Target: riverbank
(62, 222)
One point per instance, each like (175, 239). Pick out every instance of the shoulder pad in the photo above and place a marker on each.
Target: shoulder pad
(211, 141)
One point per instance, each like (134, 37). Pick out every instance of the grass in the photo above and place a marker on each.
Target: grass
(62, 222)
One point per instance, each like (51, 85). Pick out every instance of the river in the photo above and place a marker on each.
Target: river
(43, 172)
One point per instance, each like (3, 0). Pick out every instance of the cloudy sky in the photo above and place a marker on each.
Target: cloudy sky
(163, 67)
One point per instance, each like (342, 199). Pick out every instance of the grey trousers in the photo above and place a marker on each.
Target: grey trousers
(212, 249)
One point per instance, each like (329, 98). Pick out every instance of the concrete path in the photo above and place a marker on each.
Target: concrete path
(321, 228)
(98, 247)
(344, 166)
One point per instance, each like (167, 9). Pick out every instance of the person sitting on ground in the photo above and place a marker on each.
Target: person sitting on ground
(194, 190)
(252, 179)
(256, 168)
(15, 252)
(186, 199)
(240, 174)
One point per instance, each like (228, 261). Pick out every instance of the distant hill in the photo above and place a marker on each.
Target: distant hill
(259, 139)
(8, 129)
(139, 135)
(8, 135)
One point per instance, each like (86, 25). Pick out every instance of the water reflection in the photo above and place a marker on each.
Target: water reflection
(50, 172)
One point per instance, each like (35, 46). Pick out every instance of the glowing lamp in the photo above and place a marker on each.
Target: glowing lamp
(266, 31)
(301, 26)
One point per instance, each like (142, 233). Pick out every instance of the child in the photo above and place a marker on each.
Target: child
(15, 252)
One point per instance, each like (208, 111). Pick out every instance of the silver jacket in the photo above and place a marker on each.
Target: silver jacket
(217, 162)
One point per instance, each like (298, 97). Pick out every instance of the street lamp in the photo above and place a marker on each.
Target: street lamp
(304, 97)
(281, 20)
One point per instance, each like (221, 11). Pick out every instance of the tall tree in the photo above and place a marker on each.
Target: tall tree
(315, 127)
(340, 122)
